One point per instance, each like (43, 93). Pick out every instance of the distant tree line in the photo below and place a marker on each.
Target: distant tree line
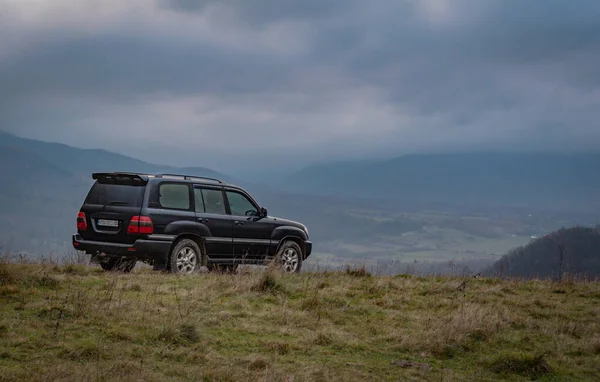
(568, 251)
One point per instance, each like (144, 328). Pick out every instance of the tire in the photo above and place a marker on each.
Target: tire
(185, 258)
(118, 265)
(289, 257)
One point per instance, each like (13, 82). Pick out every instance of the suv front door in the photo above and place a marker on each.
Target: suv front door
(251, 233)
(211, 212)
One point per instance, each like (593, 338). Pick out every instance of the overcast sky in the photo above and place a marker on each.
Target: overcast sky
(233, 83)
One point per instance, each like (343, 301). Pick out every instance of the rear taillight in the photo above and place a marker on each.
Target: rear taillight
(81, 222)
(140, 225)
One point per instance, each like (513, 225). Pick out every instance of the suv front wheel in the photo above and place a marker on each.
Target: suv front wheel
(289, 257)
(186, 257)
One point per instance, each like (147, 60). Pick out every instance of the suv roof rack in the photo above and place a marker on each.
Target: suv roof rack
(190, 177)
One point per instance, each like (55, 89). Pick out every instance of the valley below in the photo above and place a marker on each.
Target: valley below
(449, 214)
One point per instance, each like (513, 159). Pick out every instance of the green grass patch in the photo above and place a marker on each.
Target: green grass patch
(76, 323)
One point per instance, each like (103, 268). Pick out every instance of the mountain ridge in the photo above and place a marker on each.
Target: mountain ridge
(85, 161)
(543, 179)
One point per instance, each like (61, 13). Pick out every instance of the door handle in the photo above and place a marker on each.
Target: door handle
(237, 222)
(202, 220)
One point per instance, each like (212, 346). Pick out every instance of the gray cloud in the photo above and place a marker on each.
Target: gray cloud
(266, 11)
(303, 81)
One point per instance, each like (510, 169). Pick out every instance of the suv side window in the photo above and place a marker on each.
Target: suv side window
(199, 199)
(240, 205)
(174, 196)
(210, 201)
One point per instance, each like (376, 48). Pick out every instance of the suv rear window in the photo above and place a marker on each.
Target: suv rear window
(119, 194)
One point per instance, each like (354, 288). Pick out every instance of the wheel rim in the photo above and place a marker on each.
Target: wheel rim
(186, 260)
(290, 260)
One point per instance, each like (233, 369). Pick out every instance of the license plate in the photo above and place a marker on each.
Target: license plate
(108, 223)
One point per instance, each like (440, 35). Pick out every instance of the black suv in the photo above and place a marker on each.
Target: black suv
(180, 222)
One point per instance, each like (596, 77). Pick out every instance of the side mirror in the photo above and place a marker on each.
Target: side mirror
(263, 212)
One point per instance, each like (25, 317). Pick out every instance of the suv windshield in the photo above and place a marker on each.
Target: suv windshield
(116, 194)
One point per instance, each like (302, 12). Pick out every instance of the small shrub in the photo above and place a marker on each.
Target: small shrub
(448, 351)
(323, 339)
(312, 303)
(167, 334)
(135, 288)
(85, 349)
(573, 329)
(267, 283)
(256, 362)
(525, 365)
(185, 334)
(281, 348)
(323, 284)
(360, 272)
(7, 274)
(259, 364)
(219, 373)
(41, 281)
(189, 333)
(3, 330)
(479, 335)
(118, 335)
(49, 312)
(595, 346)
(7, 290)
(73, 269)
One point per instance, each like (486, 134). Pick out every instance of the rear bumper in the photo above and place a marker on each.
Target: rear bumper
(150, 249)
(308, 248)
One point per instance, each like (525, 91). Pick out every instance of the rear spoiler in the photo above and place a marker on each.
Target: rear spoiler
(123, 176)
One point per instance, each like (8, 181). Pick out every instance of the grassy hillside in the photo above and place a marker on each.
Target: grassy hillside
(75, 323)
(566, 251)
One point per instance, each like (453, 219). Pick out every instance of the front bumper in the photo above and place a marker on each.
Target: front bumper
(142, 248)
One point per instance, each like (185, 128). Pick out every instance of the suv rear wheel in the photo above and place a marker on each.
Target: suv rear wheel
(186, 257)
(289, 257)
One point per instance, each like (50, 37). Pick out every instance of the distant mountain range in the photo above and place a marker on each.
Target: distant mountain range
(558, 181)
(418, 205)
(82, 162)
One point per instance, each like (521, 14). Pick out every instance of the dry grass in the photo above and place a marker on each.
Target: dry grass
(77, 323)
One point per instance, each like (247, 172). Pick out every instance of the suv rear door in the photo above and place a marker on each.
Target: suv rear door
(109, 206)
(170, 207)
